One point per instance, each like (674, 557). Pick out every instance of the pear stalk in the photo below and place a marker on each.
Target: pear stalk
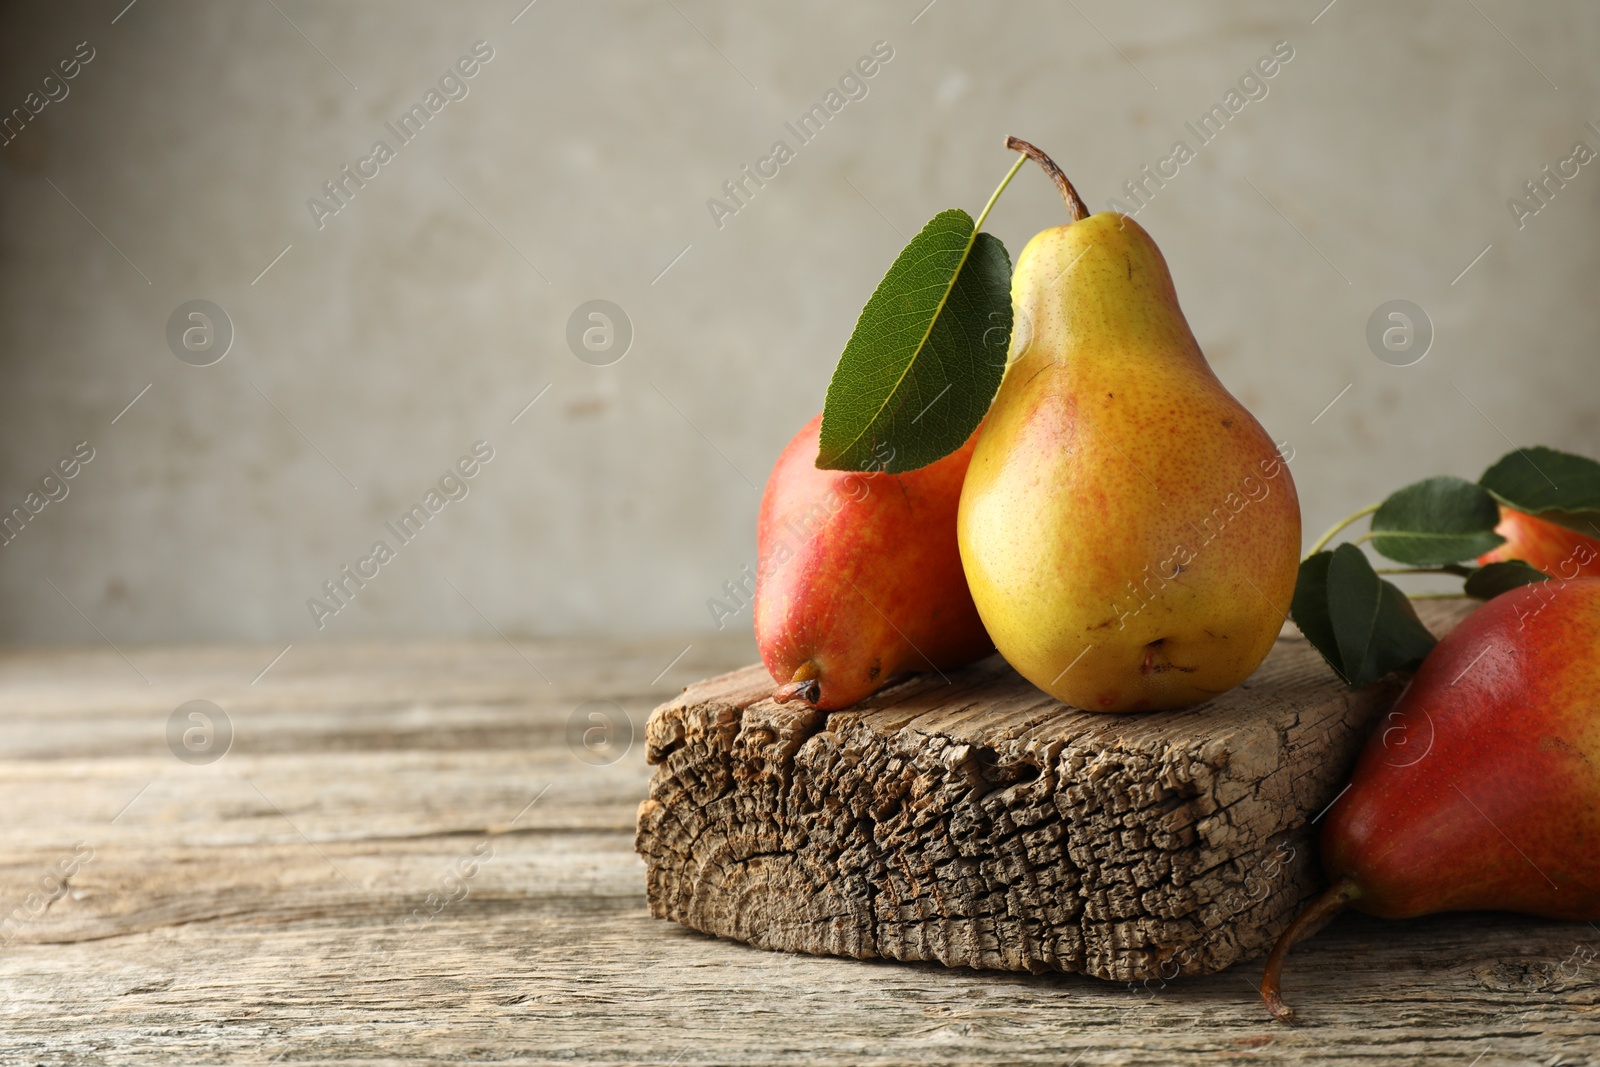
(1075, 205)
(1328, 904)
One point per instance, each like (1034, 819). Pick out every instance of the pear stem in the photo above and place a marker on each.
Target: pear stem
(1341, 524)
(1075, 205)
(1329, 903)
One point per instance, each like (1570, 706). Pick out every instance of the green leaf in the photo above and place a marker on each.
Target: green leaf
(1490, 580)
(1556, 486)
(1435, 521)
(927, 353)
(1310, 608)
(1376, 627)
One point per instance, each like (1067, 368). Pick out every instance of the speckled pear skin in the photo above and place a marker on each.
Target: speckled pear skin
(1481, 789)
(859, 580)
(1129, 532)
(1554, 549)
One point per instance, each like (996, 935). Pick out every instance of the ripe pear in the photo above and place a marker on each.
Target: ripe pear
(1481, 788)
(1556, 550)
(858, 577)
(1130, 533)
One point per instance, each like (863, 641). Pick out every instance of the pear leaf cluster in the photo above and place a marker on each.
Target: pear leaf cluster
(1364, 626)
(927, 353)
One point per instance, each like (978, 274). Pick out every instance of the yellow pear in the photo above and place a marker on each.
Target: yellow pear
(1129, 532)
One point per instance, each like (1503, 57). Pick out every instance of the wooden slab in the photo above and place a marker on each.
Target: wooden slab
(974, 820)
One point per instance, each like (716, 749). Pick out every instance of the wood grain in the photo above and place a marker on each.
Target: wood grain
(265, 908)
(974, 820)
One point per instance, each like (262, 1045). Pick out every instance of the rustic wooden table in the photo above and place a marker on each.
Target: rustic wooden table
(424, 853)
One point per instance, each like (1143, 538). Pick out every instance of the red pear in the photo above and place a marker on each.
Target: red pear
(1556, 550)
(1481, 789)
(858, 576)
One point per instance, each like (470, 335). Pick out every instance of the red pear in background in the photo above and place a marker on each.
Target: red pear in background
(1481, 789)
(858, 576)
(1556, 550)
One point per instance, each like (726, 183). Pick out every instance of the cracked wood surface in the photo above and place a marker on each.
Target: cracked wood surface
(361, 879)
(976, 821)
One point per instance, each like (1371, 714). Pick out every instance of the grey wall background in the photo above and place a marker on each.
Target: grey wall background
(429, 311)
